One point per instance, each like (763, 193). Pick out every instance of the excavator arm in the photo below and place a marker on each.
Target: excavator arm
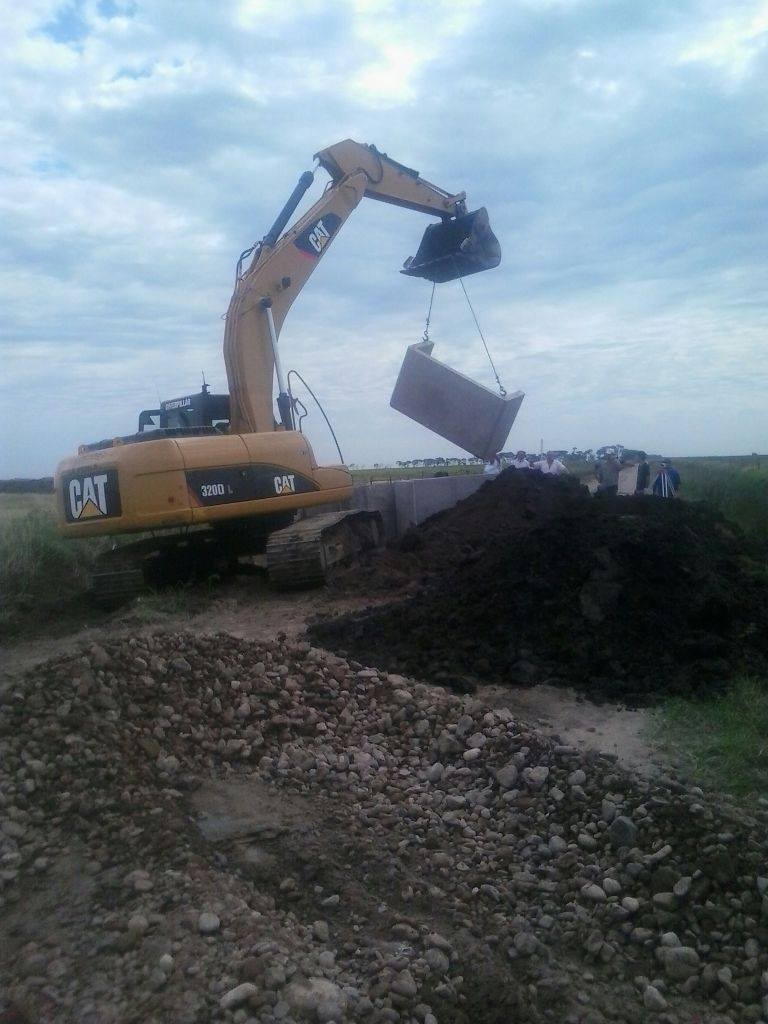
(283, 262)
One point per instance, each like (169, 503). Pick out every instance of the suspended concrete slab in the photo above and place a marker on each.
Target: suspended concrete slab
(453, 406)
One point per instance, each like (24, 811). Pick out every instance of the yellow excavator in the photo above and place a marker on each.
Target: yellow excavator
(209, 477)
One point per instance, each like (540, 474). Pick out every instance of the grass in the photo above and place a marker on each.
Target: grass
(739, 492)
(40, 572)
(723, 739)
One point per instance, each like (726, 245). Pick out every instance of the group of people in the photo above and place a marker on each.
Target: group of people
(547, 464)
(665, 485)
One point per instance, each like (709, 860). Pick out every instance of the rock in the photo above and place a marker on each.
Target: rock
(622, 831)
(630, 904)
(680, 962)
(138, 924)
(507, 776)
(593, 893)
(536, 777)
(653, 999)
(165, 963)
(402, 697)
(316, 999)
(208, 923)
(437, 960)
(525, 943)
(238, 995)
(438, 941)
(404, 984)
(321, 931)
(180, 665)
(611, 886)
(435, 772)
(472, 754)
(577, 778)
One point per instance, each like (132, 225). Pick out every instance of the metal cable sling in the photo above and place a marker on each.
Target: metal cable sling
(502, 389)
(425, 336)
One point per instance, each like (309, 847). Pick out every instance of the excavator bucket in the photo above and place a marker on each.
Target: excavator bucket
(455, 248)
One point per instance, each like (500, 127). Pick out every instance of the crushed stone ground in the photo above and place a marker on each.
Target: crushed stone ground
(532, 580)
(203, 829)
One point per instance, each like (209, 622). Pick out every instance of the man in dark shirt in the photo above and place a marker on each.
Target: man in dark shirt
(667, 483)
(643, 474)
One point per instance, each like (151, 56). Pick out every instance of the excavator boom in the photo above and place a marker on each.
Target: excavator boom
(462, 243)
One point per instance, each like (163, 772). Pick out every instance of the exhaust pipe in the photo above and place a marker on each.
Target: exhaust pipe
(455, 248)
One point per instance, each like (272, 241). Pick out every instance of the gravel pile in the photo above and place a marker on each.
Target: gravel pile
(446, 863)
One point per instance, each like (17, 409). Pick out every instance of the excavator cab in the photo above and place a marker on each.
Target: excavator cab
(454, 248)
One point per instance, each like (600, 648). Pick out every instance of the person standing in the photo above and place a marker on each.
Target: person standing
(550, 466)
(520, 461)
(667, 482)
(643, 474)
(493, 466)
(607, 473)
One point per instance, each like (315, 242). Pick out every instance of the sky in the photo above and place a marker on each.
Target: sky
(621, 149)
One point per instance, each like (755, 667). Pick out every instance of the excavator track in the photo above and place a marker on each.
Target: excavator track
(300, 556)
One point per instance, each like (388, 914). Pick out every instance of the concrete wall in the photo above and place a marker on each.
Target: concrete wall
(406, 503)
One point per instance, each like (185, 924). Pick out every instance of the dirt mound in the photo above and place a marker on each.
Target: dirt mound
(533, 580)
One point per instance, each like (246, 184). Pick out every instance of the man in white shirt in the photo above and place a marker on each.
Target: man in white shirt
(550, 466)
(520, 461)
(493, 466)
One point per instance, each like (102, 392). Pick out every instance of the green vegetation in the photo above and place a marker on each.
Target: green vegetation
(737, 489)
(40, 572)
(725, 739)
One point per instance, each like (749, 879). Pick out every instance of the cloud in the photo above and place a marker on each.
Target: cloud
(620, 150)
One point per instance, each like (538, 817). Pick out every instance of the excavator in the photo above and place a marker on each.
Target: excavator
(209, 477)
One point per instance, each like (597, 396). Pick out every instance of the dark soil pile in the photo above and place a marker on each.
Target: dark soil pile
(532, 580)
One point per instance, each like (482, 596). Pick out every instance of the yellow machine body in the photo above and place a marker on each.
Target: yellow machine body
(189, 481)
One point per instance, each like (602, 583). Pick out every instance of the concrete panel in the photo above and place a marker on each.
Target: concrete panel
(417, 500)
(378, 497)
(628, 480)
(453, 406)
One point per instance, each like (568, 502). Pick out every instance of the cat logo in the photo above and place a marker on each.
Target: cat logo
(313, 240)
(318, 236)
(88, 497)
(285, 484)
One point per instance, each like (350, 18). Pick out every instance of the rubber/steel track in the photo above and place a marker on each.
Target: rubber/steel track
(300, 556)
(297, 556)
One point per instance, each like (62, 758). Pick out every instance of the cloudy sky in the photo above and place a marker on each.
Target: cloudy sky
(620, 147)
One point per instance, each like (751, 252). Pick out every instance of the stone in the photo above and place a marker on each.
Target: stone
(321, 931)
(577, 778)
(208, 923)
(404, 984)
(622, 831)
(536, 777)
(138, 924)
(472, 754)
(435, 772)
(402, 697)
(594, 893)
(680, 962)
(653, 999)
(437, 960)
(507, 776)
(316, 998)
(238, 995)
(525, 943)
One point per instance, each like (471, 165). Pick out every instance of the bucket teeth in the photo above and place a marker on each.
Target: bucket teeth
(455, 248)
